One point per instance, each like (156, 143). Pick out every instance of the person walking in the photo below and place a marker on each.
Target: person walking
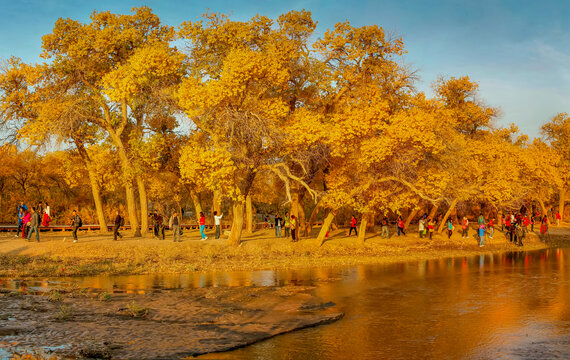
(119, 221)
(544, 225)
(22, 208)
(25, 224)
(76, 222)
(449, 228)
(400, 226)
(218, 223)
(294, 228)
(421, 227)
(155, 225)
(353, 223)
(465, 228)
(278, 224)
(431, 227)
(174, 224)
(203, 227)
(482, 235)
(266, 222)
(385, 233)
(34, 223)
(161, 227)
(558, 218)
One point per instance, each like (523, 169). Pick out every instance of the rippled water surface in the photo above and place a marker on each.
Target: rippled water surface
(505, 306)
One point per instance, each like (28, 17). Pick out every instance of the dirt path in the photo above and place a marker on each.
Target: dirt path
(94, 254)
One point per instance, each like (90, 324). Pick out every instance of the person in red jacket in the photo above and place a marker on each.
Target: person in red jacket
(203, 226)
(400, 226)
(353, 223)
(558, 218)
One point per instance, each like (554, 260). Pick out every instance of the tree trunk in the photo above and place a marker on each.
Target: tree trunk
(455, 217)
(95, 189)
(302, 221)
(325, 228)
(237, 223)
(132, 210)
(143, 203)
(297, 208)
(370, 226)
(561, 202)
(433, 211)
(411, 217)
(441, 226)
(249, 215)
(216, 203)
(362, 230)
(197, 205)
(500, 218)
(313, 217)
(543, 208)
(126, 168)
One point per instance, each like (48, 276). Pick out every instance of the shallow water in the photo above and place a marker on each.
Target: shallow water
(504, 306)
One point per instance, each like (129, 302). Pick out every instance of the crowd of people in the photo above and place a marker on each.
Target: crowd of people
(30, 219)
(515, 226)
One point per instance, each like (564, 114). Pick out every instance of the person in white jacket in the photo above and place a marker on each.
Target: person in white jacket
(218, 223)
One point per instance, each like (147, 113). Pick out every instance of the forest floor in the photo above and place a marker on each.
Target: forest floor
(56, 254)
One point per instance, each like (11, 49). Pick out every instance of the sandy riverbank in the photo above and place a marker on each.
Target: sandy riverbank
(56, 254)
(71, 325)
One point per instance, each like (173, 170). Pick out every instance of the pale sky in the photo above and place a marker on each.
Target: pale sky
(517, 50)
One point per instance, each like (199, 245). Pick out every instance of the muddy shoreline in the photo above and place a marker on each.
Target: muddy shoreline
(158, 325)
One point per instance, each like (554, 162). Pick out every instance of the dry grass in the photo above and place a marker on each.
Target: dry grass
(96, 254)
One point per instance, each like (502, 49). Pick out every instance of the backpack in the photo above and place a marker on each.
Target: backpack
(80, 224)
(122, 222)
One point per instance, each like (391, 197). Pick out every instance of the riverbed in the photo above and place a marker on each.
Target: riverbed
(511, 305)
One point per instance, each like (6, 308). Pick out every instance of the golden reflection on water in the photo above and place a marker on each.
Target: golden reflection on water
(510, 305)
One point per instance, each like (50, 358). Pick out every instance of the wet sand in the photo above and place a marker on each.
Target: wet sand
(176, 325)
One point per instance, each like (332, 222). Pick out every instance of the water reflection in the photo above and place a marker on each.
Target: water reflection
(511, 305)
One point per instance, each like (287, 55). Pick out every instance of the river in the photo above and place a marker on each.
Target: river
(511, 306)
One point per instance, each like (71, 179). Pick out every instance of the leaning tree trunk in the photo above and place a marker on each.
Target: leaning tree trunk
(313, 217)
(143, 203)
(453, 203)
(325, 228)
(362, 230)
(433, 211)
(237, 223)
(411, 217)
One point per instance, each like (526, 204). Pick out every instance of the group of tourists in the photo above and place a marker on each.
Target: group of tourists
(515, 226)
(288, 224)
(30, 219)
